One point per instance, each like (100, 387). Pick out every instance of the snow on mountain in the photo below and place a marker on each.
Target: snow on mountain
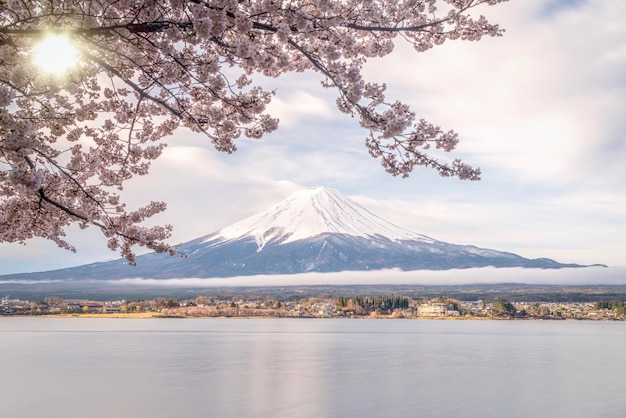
(311, 213)
(315, 230)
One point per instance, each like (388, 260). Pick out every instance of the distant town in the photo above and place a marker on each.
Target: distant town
(380, 306)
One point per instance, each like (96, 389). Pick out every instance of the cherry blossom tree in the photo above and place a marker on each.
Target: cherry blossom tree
(69, 141)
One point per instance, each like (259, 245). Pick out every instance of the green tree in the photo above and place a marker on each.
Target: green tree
(162, 303)
(503, 307)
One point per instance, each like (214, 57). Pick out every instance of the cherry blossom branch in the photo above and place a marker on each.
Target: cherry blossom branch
(67, 143)
(140, 91)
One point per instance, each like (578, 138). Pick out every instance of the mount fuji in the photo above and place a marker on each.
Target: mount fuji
(315, 230)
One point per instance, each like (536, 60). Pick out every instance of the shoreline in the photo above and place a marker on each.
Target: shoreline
(158, 315)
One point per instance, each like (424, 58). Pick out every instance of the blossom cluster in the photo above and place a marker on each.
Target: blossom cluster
(68, 143)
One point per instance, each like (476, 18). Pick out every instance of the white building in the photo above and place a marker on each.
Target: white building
(436, 309)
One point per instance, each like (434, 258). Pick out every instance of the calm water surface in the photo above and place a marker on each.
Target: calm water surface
(153, 368)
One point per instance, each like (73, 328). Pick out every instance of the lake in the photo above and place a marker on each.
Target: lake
(165, 368)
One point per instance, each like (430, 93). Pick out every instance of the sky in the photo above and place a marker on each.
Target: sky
(541, 110)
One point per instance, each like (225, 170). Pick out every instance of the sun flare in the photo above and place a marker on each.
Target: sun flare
(55, 54)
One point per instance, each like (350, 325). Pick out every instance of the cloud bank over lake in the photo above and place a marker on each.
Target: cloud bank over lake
(573, 276)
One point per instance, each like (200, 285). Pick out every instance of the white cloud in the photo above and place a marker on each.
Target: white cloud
(488, 275)
(536, 102)
(293, 108)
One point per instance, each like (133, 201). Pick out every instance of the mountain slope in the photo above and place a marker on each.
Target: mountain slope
(313, 230)
(311, 213)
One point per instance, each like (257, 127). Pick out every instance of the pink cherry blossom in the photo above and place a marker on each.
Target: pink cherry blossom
(69, 142)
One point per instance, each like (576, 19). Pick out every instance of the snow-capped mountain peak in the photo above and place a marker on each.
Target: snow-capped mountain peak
(313, 230)
(312, 212)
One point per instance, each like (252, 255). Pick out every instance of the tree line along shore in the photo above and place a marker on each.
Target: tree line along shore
(378, 306)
